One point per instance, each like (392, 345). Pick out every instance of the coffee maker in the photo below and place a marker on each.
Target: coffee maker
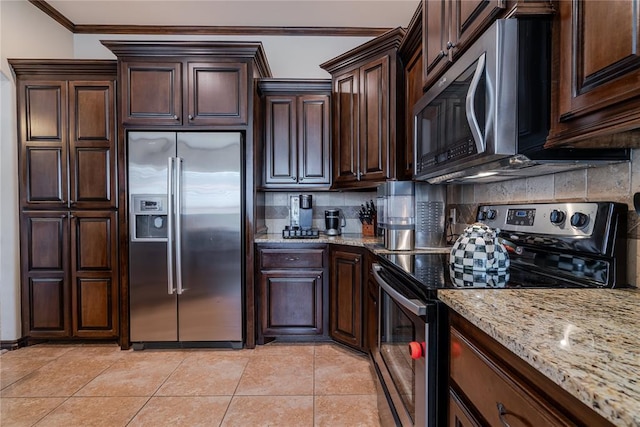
(300, 218)
(333, 221)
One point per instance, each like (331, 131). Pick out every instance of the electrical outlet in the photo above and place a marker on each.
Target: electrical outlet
(452, 215)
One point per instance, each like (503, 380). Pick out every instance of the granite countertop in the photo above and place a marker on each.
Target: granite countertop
(585, 340)
(374, 244)
(354, 239)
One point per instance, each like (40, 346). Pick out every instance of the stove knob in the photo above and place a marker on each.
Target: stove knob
(482, 215)
(579, 220)
(492, 214)
(557, 217)
(416, 350)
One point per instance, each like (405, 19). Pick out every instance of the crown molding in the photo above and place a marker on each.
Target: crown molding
(206, 30)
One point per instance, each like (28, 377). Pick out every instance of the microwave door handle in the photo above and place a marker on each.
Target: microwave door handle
(470, 102)
(414, 306)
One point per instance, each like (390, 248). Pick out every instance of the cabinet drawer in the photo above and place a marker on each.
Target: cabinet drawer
(497, 396)
(288, 258)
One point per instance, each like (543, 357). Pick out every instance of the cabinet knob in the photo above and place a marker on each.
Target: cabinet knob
(355, 261)
(291, 258)
(190, 117)
(442, 54)
(300, 179)
(319, 277)
(293, 178)
(175, 117)
(450, 45)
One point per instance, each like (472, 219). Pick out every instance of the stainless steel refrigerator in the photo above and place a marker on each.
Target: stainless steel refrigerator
(185, 249)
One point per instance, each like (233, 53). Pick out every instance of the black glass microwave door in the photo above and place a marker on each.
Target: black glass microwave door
(443, 128)
(397, 331)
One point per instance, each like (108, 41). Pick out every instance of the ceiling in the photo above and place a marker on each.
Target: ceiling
(264, 13)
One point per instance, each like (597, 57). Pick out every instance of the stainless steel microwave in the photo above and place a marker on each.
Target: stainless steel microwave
(488, 117)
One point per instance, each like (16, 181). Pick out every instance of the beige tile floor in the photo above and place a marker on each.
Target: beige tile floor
(272, 385)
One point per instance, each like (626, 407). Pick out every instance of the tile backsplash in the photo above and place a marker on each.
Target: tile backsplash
(276, 209)
(613, 183)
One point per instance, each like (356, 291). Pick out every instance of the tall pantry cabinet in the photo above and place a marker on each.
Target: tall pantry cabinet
(68, 199)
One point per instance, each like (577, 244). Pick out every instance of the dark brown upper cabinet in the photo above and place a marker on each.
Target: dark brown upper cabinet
(368, 109)
(297, 133)
(449, 26)
(187, 83)
(597, 96)
(410, 52)
(67, 134)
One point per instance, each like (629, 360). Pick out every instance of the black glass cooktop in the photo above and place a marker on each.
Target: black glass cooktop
(433, 272)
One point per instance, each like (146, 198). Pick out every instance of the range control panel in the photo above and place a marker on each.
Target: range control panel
(561, 219)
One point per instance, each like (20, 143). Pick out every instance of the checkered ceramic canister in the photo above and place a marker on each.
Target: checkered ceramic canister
(478, 248)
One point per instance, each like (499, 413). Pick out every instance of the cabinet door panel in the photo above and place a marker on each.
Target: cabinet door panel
(45, 111)
(92, 144)
(92, 236)
(94, 274)
(435, 35)
(43, 133)
(281, 140)
(291, 302)
(314, 142)
(217, 93)
(151, 93)
(92, 181)
(47, 305)
(346, 118)
(345, 321)
(470, 18)
(44, 257)
(93, 306)
(45, 242)
(46, 176)
(413, 92)
(603, 65)
(374, 122)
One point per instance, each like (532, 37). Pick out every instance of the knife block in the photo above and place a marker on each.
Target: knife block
(369, 230)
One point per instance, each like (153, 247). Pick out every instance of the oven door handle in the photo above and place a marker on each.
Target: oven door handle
(415, 306)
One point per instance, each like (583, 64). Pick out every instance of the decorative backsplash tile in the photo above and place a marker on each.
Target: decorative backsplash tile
(616, 183)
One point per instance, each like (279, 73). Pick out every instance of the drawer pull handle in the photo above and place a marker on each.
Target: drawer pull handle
(502, 411)
(291, 258)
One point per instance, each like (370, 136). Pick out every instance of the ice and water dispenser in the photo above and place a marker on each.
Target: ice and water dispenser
(411, 214)
(149, 217)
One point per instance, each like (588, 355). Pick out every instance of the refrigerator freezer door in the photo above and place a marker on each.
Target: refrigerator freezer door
(210, 305)
(152, 309)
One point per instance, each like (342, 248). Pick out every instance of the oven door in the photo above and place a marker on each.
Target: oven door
(402, 355)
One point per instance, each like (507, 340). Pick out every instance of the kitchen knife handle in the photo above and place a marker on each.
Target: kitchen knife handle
(170, 288)
(178, 213)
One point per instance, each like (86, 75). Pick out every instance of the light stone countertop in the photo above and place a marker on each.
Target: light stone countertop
(585, 340)
(374, 244)
(355, 239)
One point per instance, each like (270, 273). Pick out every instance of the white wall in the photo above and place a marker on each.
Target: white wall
(288, 56)
(25, 32)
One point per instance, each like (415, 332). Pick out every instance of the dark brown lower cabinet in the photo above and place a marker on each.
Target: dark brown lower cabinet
(292, 292)
(69, 269)
(490, 385)
(346, 290)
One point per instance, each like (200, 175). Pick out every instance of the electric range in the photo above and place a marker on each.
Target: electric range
(552, 245)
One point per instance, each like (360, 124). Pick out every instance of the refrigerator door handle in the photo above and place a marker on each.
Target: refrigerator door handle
(170, 288)
(178, 214)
